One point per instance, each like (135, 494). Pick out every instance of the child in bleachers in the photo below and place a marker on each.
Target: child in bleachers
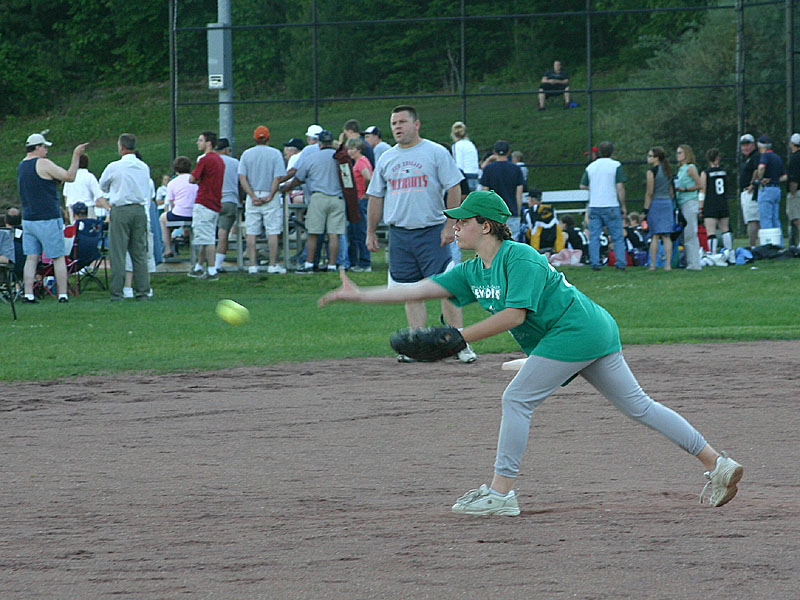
(574, 237)
(544, 230)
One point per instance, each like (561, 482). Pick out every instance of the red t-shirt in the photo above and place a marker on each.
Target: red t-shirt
(210, 171)
(361, 185)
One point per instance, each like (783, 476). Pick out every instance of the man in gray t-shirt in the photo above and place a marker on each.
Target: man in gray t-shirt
(406, 191)
(261, 169)
(230, 200)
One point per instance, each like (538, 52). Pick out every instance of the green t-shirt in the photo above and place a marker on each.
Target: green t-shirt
(561, 322)
(684, 181)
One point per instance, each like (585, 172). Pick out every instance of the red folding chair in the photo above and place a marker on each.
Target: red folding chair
(46, 269)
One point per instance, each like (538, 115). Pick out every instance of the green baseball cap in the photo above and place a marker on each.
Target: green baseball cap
(484, 203)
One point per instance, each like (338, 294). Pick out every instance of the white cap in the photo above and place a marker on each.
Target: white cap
(313, 131)
(747, 139)
(35, 139)
(795, 139)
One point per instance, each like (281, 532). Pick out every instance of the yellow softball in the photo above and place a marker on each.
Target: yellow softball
(232, 312)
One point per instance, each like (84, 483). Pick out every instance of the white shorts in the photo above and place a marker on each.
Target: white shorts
(268, 216)
(749, 207)
(151, 259)
(204, 225)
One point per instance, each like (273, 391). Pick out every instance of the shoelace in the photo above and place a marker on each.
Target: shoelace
(705, 487)
(470, 496)
(709, 475)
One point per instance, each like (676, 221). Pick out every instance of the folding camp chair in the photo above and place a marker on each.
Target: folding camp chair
(46, 268)
(90, 252)
(8, 282)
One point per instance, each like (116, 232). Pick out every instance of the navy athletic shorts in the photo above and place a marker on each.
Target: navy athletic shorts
(415, 254)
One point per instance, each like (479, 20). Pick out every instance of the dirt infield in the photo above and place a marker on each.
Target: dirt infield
(335, 480)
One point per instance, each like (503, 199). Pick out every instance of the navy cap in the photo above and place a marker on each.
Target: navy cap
(501, 147)
(294, 143)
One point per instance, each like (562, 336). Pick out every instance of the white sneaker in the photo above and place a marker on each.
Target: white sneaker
(276, 269)
(723, 480)
(718, 260)
(127, 292)
(730, 255)
(252, 270)
(467, 355)
(405, 359)
(483, 502)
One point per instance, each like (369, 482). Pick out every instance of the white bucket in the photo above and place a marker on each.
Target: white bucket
(771, 235)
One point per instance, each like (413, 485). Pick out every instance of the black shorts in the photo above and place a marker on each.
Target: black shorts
(552, 89)
(716, 209)
(171, 216)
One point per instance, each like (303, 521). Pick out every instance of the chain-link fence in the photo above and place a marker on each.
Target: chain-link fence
(733, 72)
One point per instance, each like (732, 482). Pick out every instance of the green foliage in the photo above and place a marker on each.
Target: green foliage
(178, 331)
(617, 38)
(117, 41)
(51, 47)
(391, 58)
(29, 53)
(705, 117)
(258, 65)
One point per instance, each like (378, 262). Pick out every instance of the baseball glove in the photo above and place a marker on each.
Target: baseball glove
(428, 344)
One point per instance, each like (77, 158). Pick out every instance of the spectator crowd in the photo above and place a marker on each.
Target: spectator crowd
(339, 191)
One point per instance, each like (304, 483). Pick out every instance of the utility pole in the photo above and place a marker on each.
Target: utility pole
(220, 67)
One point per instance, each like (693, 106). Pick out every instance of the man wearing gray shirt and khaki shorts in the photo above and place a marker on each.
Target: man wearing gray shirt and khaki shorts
(326, 208)
(406, 190)
(261, 169)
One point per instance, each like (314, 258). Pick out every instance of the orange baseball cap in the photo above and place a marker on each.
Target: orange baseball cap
(261, 133)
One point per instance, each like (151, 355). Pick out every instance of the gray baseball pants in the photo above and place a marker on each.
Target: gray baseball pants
(610, 375)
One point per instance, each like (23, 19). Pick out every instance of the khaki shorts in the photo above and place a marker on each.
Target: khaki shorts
(793, 205)
(227, 216)
(749, 207)
(204, 225)
(326, 213)
(269, 215)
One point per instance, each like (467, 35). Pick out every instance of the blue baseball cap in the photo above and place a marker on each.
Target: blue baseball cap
(79, 208)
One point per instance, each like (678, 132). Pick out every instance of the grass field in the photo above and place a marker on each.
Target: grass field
(552, 136)
(178, 330)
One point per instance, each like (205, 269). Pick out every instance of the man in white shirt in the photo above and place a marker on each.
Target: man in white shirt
(84, 189)
(126, 183)
(605, 180)
(291, 154)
